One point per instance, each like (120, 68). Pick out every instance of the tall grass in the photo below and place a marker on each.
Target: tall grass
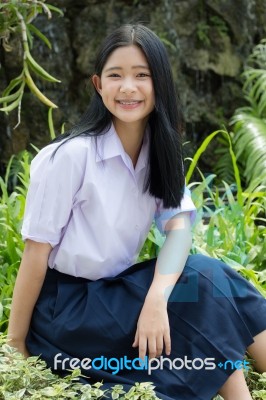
(235, 233)
(228, 227)
(236, 229)
(11, 244)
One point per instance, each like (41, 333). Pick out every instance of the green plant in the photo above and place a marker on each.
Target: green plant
(206, 28)
(223, 167)
(236, 228)
(219, 24)
(31, 379)
(16, 18)
(249, 122)
(11, 244)
(203, 31)
(234, 233)
(152, 245)
(202, 149)
(250, 143)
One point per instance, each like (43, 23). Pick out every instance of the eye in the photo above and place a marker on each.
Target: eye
(143, 75)
(113, 76)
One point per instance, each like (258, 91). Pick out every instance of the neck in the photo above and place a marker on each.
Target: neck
(131, 136)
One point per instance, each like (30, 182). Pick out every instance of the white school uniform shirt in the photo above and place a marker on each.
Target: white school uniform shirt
(88, 203)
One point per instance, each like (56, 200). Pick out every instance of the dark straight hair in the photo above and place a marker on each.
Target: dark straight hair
(165, 177)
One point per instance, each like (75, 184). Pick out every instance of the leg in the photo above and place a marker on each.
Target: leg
(235, 387)
(257, 351)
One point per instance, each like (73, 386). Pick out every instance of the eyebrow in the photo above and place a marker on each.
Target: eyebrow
(134, 67)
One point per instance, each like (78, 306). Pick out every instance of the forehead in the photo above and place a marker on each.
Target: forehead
(126, 56)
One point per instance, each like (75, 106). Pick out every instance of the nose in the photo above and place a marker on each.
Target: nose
(127, 86)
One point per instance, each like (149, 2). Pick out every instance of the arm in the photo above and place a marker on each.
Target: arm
(26, 291)
(173, 255)
(153, 326)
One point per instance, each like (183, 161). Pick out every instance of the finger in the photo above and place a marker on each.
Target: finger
(142, 347)
(152, 347)
(159, 345)
(167, 342)
(136, 339)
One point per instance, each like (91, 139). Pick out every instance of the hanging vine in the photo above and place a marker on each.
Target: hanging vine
(16, 19)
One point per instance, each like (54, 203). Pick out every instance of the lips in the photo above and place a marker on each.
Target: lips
(128, 102)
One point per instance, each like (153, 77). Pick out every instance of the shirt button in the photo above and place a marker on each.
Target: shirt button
(134, 191)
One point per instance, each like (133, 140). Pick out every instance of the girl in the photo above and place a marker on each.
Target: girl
(93, 196)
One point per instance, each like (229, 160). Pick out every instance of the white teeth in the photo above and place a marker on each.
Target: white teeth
(128, 102)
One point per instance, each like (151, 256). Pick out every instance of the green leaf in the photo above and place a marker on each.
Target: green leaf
(250, 144)
(15, 82)
(38, 33)
(1, 311)
(55, 9)
(51, 123)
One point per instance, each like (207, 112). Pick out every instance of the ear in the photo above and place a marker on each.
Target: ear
(97, 83)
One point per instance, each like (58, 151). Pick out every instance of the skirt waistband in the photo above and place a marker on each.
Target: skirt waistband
(53, 275)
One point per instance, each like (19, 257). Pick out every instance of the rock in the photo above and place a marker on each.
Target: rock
(208, 42)
(227, 62)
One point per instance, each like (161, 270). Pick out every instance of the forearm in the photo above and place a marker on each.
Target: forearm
(27, 288)
(172, 257)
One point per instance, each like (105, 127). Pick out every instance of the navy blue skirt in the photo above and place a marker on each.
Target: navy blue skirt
(214, 314)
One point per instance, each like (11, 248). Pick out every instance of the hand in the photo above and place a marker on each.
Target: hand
(153, 331)
(20, 347)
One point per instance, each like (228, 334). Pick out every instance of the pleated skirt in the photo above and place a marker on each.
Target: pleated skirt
(213, 312)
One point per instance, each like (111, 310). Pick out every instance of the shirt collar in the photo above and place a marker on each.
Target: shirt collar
(109, 145)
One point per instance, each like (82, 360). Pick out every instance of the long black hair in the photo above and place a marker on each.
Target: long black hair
(165, 178)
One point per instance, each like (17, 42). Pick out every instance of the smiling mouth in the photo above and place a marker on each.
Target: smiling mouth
(129, 102)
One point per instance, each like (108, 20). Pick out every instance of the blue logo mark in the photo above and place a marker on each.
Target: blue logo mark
(232, 365)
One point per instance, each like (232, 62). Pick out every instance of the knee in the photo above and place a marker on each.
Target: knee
(235, 387)
(257, 351)
(203, 264)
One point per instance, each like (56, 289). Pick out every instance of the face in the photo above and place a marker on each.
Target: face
(126, 85)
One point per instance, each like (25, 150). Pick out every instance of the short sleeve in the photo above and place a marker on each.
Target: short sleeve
(53, 185)
(163, 215)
